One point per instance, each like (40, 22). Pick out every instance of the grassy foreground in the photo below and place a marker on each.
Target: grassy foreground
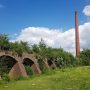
(69, 79)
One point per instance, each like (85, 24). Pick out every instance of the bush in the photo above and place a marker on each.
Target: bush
(85, 57)
(28, 70)
(42, 66)
(5, 77)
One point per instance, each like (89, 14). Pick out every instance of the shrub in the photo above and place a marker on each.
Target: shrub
(42, 66)
(85, 57)
(28, 70)
(5, 77)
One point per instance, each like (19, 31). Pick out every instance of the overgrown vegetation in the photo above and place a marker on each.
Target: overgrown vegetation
(28, 70)
(75, 78)
(85, 57)
(42, 52)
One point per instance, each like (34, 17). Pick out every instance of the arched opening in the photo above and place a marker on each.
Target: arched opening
(6, 64)
(28, 63)
(31, 66)
(51, 64)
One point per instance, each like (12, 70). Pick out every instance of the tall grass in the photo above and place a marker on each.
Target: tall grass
(77, 78)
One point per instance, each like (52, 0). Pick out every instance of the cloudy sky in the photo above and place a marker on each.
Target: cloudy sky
(52, 20)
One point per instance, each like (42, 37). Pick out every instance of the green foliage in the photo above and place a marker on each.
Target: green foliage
(85, 57)
(19, 78)
(25, 47)
(61, 57)
(77, 78)
(16, 47)
(3, 66)
(42, 65)
(28, 70)
(69, 59)
(35, 48)
(42, 49)
(4, 42)
(48, 72)
(20, 47)
(43, 52)
(5, 77)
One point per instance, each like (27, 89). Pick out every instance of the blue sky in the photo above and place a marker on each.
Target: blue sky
(52, 20)
(18, 14)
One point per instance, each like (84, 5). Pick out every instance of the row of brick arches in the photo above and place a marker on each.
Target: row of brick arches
(16, 64)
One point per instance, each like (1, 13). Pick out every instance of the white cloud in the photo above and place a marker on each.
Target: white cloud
(56, 37)
(86, 10)
(85, 35)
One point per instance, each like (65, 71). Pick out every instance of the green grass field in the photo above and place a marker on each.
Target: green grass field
(69, 79)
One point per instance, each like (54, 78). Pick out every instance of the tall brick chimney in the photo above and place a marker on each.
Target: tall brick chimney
(77, 35)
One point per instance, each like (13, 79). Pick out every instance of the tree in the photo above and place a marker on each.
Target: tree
(20, 47)
(4, 42)
(85, 57)
(35, 48)
(16, 48)
(40, 50)
(25, 47)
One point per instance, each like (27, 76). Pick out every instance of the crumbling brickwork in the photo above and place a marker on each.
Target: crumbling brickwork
(18, 69)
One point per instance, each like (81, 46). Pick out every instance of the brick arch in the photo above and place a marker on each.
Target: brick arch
(28, 61)
(18, 68)
(11, 62)
(32, 62)
(29, 56)
(51, 64)
(9, 54)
